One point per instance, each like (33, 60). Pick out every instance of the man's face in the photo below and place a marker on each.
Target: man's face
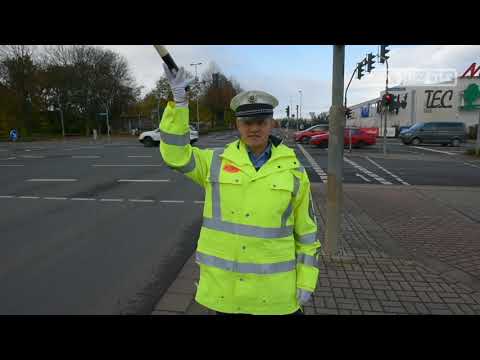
(255, 132)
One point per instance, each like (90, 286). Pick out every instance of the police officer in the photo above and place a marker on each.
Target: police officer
(257, 250)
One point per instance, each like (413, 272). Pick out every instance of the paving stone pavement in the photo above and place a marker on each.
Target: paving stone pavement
(407, 250)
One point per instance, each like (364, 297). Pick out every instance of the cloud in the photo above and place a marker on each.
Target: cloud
(264, 68)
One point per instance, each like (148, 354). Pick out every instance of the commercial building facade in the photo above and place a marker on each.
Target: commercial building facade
(458, 101)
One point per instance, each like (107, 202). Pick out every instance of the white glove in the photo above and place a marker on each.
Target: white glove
(303, 296)
(178, 83)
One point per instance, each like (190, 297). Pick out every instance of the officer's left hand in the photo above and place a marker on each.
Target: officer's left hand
(303, 296)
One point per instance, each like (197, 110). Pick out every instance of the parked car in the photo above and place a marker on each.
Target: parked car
(152, 138)
(445, 133)
(360, 138)
(402, 129)
(304, 136)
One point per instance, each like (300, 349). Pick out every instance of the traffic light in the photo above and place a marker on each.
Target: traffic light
(287, 109)
(360, 69)
(387, 100)
(383, 53)
(370, 62)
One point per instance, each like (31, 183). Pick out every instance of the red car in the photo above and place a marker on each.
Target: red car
(305, 135)
(360, 138)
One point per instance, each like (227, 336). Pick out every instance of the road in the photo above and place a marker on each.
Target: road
(91, 228)
(104, 228)
(403, 165)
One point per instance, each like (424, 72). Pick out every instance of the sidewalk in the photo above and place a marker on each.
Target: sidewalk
(408, 250)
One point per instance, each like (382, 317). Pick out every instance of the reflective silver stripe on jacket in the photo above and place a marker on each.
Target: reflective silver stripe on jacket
(171, 139)
(216, 223)
(288, 211)
(244, 268)
(185, 168)
(306, 239)
(311, 210)
(307, 260)
(215, 178)
(247, 230)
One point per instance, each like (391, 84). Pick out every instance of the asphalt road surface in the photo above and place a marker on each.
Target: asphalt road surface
(104, 228)
(91, 228)
(403, 165)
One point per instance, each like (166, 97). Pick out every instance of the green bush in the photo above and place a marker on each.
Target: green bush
(471, 152)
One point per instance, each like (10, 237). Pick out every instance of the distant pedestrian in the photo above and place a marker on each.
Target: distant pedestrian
(13, 135)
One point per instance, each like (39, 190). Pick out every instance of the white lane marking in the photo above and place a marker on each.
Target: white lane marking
(443, 152)
(365, 171)
(85, 157)
(388, 172)
(111, 200)
(126, 165)
(11, 165)
(52, 180)
(82, 199)
(172, 201)
(10, 158)
(363, 177)
(315, 166)
(199, 202)
(475, 166)
(7, 197)
(140, 156)
(29, 197)
(143, 181)
(32, 156)
(54, 198)
(141, 200)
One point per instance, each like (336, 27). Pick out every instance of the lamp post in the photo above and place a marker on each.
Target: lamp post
(196, 78)
(300, 91)
(61, 116)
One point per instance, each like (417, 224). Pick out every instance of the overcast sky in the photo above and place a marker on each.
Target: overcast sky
(283, 70)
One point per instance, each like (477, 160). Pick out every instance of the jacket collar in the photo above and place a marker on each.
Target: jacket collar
(237, 153)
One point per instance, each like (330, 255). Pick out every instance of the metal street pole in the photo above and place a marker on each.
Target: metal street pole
(297, 120)
(300, 91)
(61, 116)
(108, 122)
(385, 117)
(196, 77)
(346, 92)
(335, 154)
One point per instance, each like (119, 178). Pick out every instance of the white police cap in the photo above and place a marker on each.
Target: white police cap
(253, 104)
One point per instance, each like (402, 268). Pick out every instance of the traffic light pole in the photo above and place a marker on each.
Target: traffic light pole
(335, 155)
(386, 112)
(346, 92)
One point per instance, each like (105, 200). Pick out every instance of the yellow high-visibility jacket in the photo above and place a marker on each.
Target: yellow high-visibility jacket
(258, 241)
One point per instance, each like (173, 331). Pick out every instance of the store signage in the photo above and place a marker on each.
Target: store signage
(439, 99)
(470, 96)
(473, 70)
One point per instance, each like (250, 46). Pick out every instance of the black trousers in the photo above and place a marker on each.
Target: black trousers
(298, 312)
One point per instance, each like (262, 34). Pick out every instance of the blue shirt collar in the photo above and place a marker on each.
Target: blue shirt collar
(265, 153)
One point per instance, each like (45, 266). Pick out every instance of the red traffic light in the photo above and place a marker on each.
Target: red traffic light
(388, 99)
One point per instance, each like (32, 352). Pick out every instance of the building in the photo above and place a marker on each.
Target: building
(455, 101)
